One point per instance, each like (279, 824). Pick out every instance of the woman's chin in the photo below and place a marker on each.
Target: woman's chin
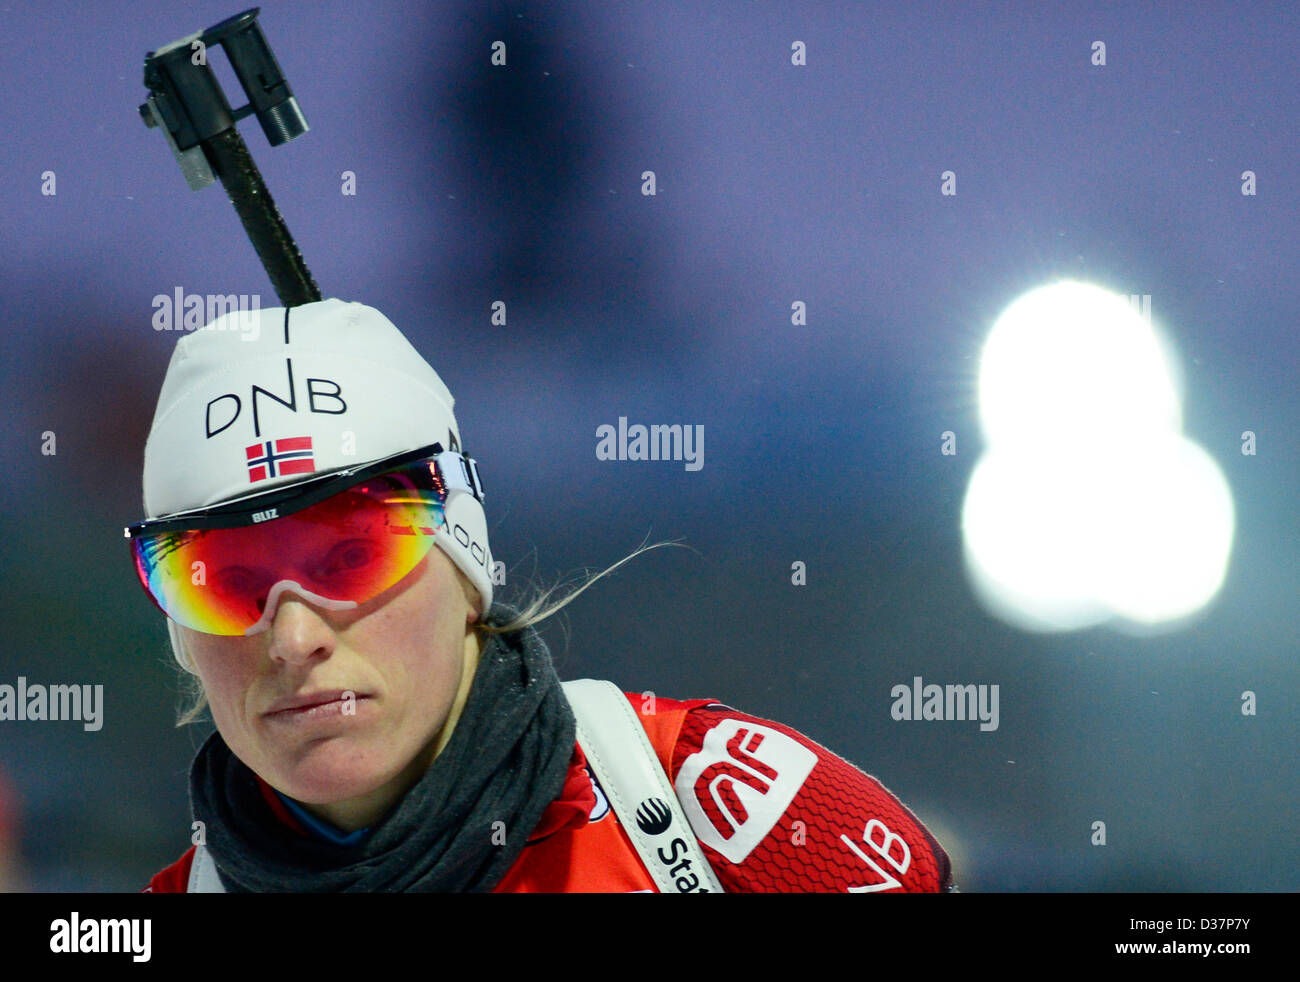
(334, 772)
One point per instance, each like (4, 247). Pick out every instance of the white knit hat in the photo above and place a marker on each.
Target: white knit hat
(262, 398)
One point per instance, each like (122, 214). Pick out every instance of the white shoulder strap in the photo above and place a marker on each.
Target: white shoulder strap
(203, 873)
(634, 781)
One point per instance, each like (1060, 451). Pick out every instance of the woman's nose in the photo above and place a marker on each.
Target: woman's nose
(270, 606)
(298, 630)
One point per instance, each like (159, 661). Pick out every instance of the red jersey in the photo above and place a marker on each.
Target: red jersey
(774, 812)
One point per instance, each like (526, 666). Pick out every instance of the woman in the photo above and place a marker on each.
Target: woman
(381, 723)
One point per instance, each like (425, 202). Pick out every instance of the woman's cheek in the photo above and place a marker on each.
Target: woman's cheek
(227, 682)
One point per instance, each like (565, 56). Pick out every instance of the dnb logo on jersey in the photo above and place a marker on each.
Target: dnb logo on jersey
(275, 458)
(739, 783)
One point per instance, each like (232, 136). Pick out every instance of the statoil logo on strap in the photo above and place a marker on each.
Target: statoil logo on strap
(750, 774)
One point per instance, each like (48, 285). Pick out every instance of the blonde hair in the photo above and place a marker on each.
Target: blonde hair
(533, 612)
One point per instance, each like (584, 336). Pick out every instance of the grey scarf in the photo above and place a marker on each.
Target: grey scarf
(506, 762)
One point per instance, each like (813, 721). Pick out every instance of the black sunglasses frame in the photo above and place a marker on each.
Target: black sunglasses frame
(252, 509)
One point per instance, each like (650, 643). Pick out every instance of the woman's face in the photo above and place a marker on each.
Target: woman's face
(389, 672)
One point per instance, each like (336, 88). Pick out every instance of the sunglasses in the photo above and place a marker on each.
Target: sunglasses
(338, 539)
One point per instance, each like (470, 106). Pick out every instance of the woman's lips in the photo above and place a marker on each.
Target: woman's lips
(316, 706)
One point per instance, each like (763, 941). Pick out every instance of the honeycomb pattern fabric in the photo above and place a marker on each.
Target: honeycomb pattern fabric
(778, 813)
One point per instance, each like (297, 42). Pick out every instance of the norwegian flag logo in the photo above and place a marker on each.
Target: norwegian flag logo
(275, 458)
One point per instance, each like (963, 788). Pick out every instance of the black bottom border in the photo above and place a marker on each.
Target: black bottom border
(982, 932)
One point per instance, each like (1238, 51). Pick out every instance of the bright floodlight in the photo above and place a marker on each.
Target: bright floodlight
(1089, 502)
(1070, 362)
(1172, 530)
(1035, 542)
(1062, 542)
